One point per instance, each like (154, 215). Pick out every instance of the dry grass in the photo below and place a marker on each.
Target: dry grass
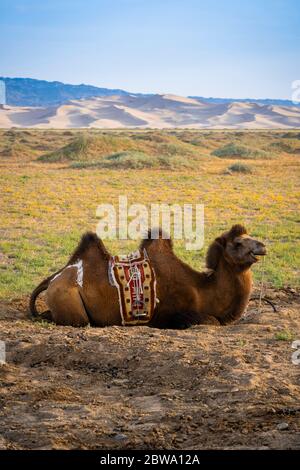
(45, 207)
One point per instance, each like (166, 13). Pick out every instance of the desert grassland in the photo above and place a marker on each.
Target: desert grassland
(47, 205)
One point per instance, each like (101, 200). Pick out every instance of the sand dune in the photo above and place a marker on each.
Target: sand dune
(156, 111)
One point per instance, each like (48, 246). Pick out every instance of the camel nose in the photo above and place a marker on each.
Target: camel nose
(260, 249)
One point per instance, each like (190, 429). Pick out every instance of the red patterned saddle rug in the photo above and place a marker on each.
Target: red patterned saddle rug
(134, 278)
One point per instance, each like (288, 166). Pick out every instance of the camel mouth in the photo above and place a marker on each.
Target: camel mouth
(255, 255)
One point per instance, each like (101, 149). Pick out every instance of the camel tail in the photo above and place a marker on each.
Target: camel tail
(40, 288)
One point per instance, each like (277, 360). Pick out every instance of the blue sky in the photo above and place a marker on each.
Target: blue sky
(224, 48)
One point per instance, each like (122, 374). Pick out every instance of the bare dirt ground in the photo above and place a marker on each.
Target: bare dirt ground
(139, 388)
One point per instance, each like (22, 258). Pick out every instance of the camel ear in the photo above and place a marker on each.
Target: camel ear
(236, 231)
(215, 252)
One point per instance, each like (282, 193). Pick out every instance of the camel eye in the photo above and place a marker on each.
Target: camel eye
(238, 243)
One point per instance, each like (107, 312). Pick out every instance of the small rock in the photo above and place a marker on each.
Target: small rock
(120, 437)
(180, 440)
(282, 426)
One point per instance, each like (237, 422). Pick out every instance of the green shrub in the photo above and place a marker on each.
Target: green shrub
(284, 335)
(291, 135)
(134, 160)
(127, 160)
(72, 151)
(91, 148)
(88, 148)
(239, 168)
(233, 150)
(292, 146)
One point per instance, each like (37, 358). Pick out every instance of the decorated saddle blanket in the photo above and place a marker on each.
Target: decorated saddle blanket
(134, 278)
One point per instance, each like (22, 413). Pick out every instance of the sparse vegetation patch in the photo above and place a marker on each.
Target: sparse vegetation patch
(233, 150)
(239, 168)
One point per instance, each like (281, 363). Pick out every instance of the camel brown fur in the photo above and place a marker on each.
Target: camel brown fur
(80, 293)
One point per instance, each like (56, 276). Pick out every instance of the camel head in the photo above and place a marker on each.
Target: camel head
(236, 247)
